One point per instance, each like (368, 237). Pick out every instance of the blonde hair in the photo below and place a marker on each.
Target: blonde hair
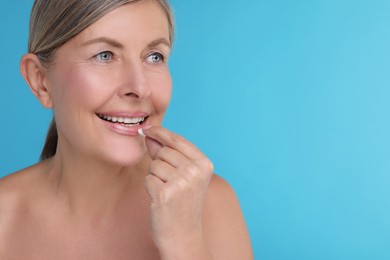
(54, 22)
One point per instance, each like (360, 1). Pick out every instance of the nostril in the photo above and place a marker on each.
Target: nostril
(131, 94)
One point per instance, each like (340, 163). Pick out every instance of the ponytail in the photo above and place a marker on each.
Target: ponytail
(50, 147)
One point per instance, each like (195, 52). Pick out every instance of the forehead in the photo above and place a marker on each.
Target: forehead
(140, 20)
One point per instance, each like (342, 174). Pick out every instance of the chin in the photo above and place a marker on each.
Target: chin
(126, 157)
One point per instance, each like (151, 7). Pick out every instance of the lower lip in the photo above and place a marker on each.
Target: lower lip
(124, 130)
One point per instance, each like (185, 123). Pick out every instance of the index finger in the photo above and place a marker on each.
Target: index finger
(174, 141)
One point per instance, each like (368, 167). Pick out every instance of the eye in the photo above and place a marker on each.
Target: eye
(104, 56)
(156, 57)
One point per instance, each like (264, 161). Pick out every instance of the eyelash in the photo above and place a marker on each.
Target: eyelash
(99, 56)
(111, 56)
(159, 55)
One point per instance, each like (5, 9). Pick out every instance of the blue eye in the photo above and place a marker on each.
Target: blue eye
(156, 57)
(104, 56)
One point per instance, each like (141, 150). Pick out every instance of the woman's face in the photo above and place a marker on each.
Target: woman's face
(110, 80)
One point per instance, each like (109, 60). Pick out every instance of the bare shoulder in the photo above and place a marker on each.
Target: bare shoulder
(12, 183)
(224, 224)
(10, 189)
(14, 189)
(221, 194)
(10, 200)
(218, 185)
(16, 197)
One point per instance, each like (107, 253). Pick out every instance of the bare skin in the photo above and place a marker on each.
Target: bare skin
(107, 193)
(37, 223)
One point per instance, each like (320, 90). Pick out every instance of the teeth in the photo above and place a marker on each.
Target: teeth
(124, 120)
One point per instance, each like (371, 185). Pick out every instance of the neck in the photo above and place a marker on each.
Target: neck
(92, 187)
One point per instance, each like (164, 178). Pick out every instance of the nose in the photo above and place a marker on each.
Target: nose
(135, 83)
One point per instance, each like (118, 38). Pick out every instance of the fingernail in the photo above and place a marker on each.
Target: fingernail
(147, 127)
(141, 132)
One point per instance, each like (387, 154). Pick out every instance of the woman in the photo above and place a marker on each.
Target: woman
(102, 191)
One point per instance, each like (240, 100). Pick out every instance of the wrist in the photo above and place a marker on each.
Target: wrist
(192, 246)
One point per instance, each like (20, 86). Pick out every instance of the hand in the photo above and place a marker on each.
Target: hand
(177, 184)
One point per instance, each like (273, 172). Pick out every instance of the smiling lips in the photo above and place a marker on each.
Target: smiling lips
(126, 121)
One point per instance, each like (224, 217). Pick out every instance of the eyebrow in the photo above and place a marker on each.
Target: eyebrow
(104, 40)
(118, 45)
(159, 41)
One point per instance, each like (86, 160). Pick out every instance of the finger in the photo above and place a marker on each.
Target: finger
(171, 156)
(162, 170)
(153, 185)
(153, 147)
(174, 141)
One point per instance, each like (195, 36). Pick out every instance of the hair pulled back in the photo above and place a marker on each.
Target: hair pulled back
(54, 22)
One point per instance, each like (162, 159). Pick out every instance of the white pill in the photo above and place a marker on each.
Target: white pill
(141, 132)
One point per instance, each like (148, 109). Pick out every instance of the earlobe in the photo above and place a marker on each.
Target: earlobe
(34, 74)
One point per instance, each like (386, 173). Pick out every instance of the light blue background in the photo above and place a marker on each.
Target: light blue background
(290, 99)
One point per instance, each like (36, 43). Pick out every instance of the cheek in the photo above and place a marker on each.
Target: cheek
(77, 87)
(162, 92)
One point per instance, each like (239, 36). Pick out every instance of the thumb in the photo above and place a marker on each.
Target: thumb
(153, 146)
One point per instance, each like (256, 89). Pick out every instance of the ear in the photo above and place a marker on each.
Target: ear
(34, 74)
